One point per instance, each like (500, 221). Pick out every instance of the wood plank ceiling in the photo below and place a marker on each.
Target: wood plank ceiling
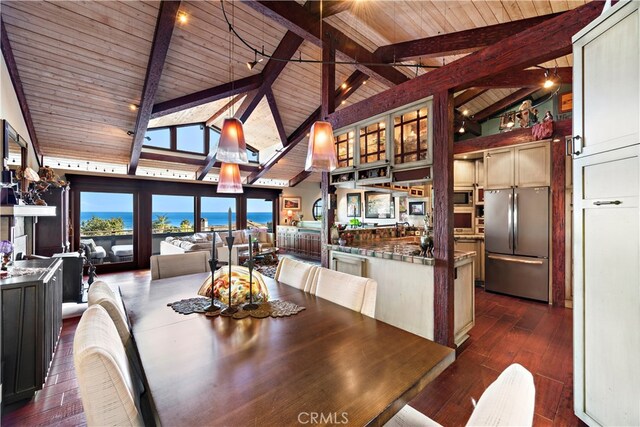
(82, 64)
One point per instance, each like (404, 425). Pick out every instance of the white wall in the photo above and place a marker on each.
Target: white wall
(10, 111)
(308, 192)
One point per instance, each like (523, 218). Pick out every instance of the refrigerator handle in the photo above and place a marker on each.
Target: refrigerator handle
(510, 222)
(515, 221)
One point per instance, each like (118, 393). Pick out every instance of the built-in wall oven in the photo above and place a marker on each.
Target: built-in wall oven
(463, 220)
(463, 198)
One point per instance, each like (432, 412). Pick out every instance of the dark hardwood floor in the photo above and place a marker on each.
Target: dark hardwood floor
(507, 330)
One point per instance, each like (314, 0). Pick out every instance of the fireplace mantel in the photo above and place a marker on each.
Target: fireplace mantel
(27, 210)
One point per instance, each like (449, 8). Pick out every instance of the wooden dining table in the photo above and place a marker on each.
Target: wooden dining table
(324, 365)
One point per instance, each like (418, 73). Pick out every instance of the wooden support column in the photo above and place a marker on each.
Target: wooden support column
(558, 220)
(327, 107)
(443, 217)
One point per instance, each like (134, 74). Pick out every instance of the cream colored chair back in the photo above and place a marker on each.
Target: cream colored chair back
(295, 273)
(101, 293)
(354, 292)
(109, 395)
(163, 266)
(508, 401)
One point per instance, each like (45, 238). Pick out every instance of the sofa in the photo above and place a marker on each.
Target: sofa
(202, 242)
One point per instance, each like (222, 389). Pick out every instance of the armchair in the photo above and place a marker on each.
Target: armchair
(96, 254)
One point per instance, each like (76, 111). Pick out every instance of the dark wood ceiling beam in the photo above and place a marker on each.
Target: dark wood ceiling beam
(277, 119)
(543, 42)
(299, 178)
(524, 78)
(159, 48)
(7, 53)
(223, 110)
(296, 18)
(283, 53)
(505, 102)
(355, 80)
(458, 42)
(506, 139)
(467, 96)
(216, 93)
(159, 157)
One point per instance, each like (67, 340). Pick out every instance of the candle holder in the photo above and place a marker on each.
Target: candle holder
(230, 310)
(213, 263)
(251, 305)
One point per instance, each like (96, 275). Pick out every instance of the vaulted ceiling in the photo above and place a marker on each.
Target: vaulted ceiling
(83, 64)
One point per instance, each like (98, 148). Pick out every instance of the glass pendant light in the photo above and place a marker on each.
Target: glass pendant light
(232, 147)
(229, 180)
(321, 155)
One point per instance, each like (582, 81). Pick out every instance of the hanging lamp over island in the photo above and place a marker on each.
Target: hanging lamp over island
(229, 180)
(232, 147)
(321, 154)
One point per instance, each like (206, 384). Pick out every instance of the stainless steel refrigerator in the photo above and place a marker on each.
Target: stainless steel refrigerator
(516, 227)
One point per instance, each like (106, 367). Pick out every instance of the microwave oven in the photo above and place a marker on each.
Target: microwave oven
(463, 221)
(463, 198)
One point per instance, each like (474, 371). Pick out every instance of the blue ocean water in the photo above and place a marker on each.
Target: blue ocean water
(213, 218)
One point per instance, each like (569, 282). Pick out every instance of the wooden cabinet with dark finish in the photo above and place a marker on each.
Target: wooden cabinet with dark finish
(52, 233)
(299, 242)
(31, 324)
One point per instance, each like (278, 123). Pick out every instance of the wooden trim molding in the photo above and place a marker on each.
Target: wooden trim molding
(159, 48)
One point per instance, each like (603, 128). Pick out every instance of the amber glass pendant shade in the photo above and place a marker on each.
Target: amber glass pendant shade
(232, 147)
(321, 155)
(229, 180)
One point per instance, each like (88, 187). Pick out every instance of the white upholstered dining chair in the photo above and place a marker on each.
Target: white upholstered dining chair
(109, 393)
(101, 293)
(164, 266)
(295, 273)
(354, 292)
(508, 401)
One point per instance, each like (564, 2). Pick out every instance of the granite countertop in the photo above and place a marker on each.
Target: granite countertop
(406, 249)
(468, 236)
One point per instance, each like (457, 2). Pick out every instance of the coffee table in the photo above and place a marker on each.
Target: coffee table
(264, 256)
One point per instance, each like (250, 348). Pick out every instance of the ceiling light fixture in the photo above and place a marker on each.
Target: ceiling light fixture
(133, 107)
(232, 147)
(229, 180)
(465, 112)
(462, 130)
(182, 17)
(255, 61)
(321, 154)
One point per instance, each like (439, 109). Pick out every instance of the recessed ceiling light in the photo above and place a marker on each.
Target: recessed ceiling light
(182, 17)
(465, 112)
(343, 85)
(133, 107)
(344, 101)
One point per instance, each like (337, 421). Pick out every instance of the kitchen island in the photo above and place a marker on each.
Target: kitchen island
(405, 283)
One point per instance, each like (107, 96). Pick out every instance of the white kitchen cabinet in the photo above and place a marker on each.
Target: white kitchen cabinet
(605, 101)
(606, 219)
(532, 165)
(464, 173)
(526, 165)
(480, 173)
(498, 169)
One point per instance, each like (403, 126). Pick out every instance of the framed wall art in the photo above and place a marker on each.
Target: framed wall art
(354, 203)
(378, 205)
(416, 208)
(291, 203)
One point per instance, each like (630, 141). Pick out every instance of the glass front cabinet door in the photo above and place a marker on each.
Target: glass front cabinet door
(373, 143)
(411, 136)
